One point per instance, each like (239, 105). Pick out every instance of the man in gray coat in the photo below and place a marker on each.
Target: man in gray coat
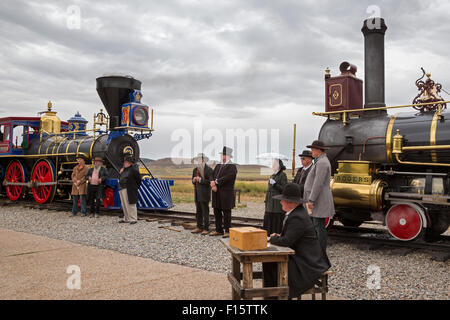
(317, 193)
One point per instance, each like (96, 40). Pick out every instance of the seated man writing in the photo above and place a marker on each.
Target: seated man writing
(298, 233)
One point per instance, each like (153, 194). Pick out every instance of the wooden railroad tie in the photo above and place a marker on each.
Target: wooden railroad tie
(169, 228)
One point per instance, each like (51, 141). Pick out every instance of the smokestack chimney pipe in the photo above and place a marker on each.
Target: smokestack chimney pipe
(374, 30)
(114, 91)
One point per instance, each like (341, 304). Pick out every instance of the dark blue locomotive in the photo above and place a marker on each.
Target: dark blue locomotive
(37, 154)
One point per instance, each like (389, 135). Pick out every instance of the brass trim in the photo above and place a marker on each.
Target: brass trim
(54, 145)
(67, 148)
(40, 155)
(46, 150)
(57, 158)
(340, 94)
(92, 146)
(82, 140)
(421, 163)
(366, 196)
(326, 114)
(433, 128)
(389, 137)
(40, 146)
(151, 127)
(421, 148)
(134, 129)
(60, 143)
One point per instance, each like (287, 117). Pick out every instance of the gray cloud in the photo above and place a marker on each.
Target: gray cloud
(225, 62)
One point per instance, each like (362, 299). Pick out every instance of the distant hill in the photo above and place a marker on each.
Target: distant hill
(182, 167)
(186, 162)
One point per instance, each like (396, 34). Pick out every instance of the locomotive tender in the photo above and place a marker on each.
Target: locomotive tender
(393, 168)
(38, 154)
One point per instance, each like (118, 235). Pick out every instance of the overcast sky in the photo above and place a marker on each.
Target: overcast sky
(228, 64)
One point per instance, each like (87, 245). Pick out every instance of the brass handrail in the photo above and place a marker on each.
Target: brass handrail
(323, 114)
(421, 163)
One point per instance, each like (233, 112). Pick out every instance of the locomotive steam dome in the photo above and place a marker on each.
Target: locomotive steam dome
(50, 123)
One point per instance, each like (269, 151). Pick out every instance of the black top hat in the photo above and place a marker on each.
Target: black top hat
(80, 156)
(317, 144)
(98, 159)
(291, 192)
(227, 151)
(306, 153)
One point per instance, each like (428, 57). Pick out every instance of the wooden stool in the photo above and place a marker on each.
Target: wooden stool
(321, 286)
(273, 253)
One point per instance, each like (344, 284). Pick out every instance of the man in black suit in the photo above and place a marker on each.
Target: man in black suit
(223, 199)
(202, 176)
(298, 233)
(307, 162)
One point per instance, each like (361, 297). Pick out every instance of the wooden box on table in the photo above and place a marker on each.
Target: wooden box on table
(248, 238)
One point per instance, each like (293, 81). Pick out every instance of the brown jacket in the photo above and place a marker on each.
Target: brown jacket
(78, 174)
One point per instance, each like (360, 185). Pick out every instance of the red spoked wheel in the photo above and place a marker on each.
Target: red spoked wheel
(43, 171)
(405, 221)
(15, 173)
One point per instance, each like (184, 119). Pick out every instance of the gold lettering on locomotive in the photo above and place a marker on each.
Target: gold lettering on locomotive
(128, 150)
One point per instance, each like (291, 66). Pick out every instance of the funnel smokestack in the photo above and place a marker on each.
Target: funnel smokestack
(374, 30)
(114, 92)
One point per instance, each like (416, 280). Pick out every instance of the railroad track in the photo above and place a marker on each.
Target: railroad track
(371, 237)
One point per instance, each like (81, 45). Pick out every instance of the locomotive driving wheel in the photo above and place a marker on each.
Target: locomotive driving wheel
(43, 172)
(15, 173)
(405, 221)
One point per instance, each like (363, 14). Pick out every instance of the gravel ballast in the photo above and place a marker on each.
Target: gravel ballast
(414, 276)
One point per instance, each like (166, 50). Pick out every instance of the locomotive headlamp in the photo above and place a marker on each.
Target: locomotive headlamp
(140, 116)
(134, 113)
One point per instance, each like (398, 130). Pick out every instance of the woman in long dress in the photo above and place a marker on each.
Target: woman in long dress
(274, 215)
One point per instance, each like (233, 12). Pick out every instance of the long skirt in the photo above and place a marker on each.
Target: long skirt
(273, 222)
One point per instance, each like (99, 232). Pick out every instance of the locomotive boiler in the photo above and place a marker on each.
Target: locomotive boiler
(389, 167)
(38, 154)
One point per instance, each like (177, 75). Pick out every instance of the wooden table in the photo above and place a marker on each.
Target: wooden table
(273, 253)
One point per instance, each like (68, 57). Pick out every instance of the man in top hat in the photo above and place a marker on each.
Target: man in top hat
(298, 233)
(96, 177)
(79, 185)
(223, 199)
(129, 183)
(202, 176)
(307, 162)
(317, 194)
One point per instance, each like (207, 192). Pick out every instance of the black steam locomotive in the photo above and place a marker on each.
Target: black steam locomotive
(393, 168)
(37, 154)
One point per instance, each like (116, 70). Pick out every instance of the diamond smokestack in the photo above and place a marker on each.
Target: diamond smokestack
(114, 92)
